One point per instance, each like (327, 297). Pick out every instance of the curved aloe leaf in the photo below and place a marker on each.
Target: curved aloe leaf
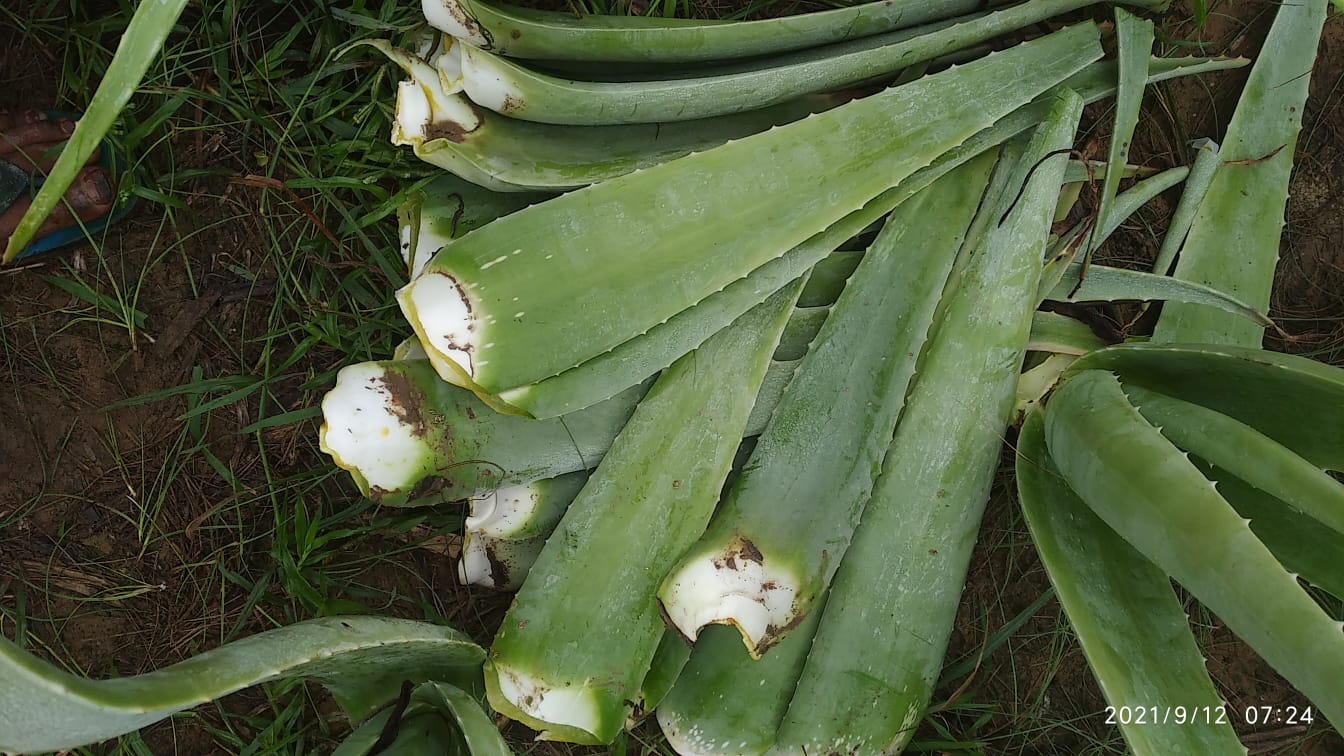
(783, 526)
(511, 89)
(581, 635)
(136, 52)
(1234, 243)
(1314, 553)
(1132, 628)
(1294, 400)
(880, 646)
(438, 719)
(1257, 459)
(361, 660)
(1106, 284)
(548, 35)
(559, 283)
(1147, 491)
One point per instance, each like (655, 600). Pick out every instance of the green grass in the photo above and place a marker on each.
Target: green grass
(181, 357)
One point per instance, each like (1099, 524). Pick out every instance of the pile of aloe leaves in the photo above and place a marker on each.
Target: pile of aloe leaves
(724, 362)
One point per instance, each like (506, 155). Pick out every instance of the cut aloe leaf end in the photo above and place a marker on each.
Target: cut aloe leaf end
(785, 523)
(574, 649)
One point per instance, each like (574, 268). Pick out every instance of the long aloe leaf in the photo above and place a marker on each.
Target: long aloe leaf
(1314, 553)
(1294, 400)
(1234, 243)
(783, 526)
(136, 52)
(1256, 458)
(880, 646)
(514, 90)
(541, 35)
(1197, 184)
(581, 635)
(1132, 628)
(726, 703)
(1134, 37)
(511, 154)
(558, 283)
(361, 660)
(1146, 490)
(645, 354)
(1106, 284)
(1061, 334)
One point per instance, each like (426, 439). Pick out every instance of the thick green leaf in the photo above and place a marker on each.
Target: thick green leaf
(1129, 622)
(1234, 242)
(559, 283)
(361, 660)
(1256, 458)
(438, 719)
(783, 526)
(1294, 400)
(1147, 491)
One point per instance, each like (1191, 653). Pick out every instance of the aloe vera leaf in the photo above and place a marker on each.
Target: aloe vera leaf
(725, 702)
(1314, 553)
(1233, 244)
(446, 208)
(1061, 334)
(525, 510)
(1197, 184)
(404, 434)
(1131, 626)
(801, 330)
(438, 719)
(634, 251)
(643, 355)
(1256, 458)
(1294, 400)
(509, 88)
(1107, 284)
(1147, 491)
(541, 35)
(136, 52)
(881, 642)
(581, 634)
(511, 154)
(1134, 40)
(784, 524)
(361, 660)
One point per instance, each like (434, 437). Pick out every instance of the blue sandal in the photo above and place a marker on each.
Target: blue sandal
(15, 183)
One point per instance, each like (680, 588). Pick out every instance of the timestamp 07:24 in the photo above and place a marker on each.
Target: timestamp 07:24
(1182, 715)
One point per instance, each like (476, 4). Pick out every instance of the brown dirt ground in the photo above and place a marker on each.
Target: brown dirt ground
(77, 474)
